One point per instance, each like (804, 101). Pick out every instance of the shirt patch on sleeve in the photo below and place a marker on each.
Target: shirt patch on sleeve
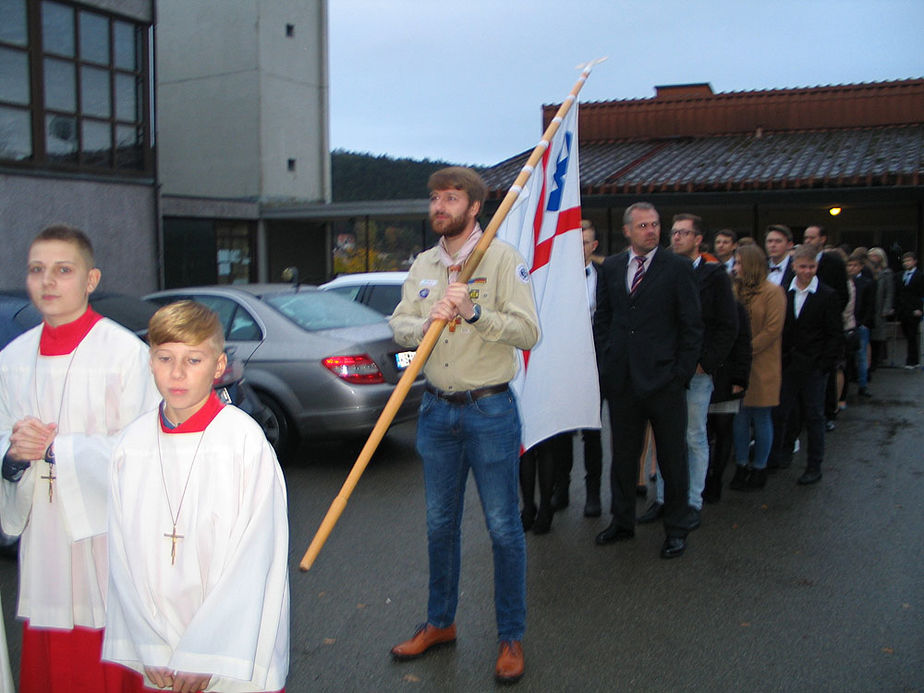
(427, 282)
(423, 293)
(523, 273)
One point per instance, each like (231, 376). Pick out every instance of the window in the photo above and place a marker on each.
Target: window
(74, 89)
(233, 242)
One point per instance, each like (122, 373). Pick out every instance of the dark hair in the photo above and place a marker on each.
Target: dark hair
(68, 234)
(459, 178)
(780, 228)
(910, 253)
(697, 222)
(728, 232)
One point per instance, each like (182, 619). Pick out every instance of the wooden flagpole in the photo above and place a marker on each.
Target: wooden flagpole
(426, 345)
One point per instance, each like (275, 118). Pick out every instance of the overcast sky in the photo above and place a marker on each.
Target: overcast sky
(465, 81)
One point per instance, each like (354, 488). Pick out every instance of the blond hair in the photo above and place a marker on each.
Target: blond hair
(186, 322)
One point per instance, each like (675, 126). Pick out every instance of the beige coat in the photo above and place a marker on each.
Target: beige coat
(768, 313)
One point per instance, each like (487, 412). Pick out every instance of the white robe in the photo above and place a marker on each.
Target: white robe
(62, 553)
(223, 607)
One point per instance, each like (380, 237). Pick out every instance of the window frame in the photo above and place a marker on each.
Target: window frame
(87, 161)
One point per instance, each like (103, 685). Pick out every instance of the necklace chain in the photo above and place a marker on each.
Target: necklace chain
(50, 477)
(175, 518)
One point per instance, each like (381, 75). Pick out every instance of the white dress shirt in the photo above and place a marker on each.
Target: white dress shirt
(802, 294)
(777, 277)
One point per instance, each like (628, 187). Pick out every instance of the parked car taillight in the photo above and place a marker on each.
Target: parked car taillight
(359, 369)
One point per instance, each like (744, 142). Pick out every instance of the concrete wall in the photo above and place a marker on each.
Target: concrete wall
(118, 218)
(237, 99)
(294, 100)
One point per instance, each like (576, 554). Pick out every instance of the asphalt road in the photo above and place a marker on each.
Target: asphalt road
(791, 589)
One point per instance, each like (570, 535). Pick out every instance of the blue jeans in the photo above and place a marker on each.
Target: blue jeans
(698, 396)
(763, 435)
(483, 436)
(862, 364)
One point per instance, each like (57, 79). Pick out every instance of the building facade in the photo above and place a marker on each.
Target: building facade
(76, 133)
(242, 104)
(848, 157)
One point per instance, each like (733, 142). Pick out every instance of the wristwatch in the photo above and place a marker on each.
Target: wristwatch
(475, 315)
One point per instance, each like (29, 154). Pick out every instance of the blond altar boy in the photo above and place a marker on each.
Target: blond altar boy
(199, 590)
(66, 387)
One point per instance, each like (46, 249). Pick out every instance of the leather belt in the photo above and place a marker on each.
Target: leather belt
(466, 396)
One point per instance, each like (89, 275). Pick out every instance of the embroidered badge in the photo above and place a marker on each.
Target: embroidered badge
(473, 294)
(423, 293)
(523, 273)
(427, 282)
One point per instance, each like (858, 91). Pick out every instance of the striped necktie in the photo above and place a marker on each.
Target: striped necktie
(639, 274)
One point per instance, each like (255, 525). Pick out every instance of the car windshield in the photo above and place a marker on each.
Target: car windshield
(321, 310)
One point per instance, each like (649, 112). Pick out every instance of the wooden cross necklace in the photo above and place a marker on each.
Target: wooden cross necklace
(49, 456)
(173, 536)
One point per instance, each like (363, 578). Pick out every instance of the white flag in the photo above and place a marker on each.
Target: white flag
(556, 386)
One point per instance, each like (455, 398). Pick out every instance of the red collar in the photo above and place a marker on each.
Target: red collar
(62, 340)
(199, 421)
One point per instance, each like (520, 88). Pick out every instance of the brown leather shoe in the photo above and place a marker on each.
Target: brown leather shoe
(510, 663)
(425, 638)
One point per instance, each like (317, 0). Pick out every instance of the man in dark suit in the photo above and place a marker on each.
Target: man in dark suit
(778, 244)
(812, 340)
(832, 270)
(909, 307)
(648, 332)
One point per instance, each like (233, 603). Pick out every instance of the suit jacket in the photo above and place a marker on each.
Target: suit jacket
(909, 295)
(788, 274)
(720, 317)
(814, 340)
(864, 309)
(648, 340)
(833, 272)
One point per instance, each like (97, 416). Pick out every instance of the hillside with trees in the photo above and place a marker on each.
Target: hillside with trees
(356, 176)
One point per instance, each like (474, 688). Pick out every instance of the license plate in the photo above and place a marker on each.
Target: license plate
(403, 359)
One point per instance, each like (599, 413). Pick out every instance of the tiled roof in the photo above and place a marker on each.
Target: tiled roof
(842, 158)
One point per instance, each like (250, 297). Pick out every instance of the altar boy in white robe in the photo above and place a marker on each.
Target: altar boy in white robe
(199, 588)
(67, 387)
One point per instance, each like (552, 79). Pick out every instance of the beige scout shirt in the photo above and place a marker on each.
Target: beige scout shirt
(471, 356)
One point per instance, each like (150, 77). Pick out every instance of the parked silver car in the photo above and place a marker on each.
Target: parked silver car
(324, 365)
(380, 291)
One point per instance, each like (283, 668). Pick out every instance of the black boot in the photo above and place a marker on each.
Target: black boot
(756, 480)
(739, 482)
(592, 504)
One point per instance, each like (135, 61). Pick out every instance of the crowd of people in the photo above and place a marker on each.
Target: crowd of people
(727, 357)
(154, 537)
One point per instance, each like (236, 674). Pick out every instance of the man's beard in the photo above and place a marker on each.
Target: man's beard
(450, 226)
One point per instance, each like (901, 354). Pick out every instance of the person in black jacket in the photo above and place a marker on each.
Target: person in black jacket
(720, 326)
(909, 307)
(731, 383)
(812, 341)
(864, 312)
(648, 333)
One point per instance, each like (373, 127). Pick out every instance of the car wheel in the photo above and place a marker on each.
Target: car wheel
(277, 428)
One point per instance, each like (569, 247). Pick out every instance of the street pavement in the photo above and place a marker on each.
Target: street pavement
(794, 588)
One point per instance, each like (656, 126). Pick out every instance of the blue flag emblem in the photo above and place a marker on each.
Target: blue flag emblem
(561, 167)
